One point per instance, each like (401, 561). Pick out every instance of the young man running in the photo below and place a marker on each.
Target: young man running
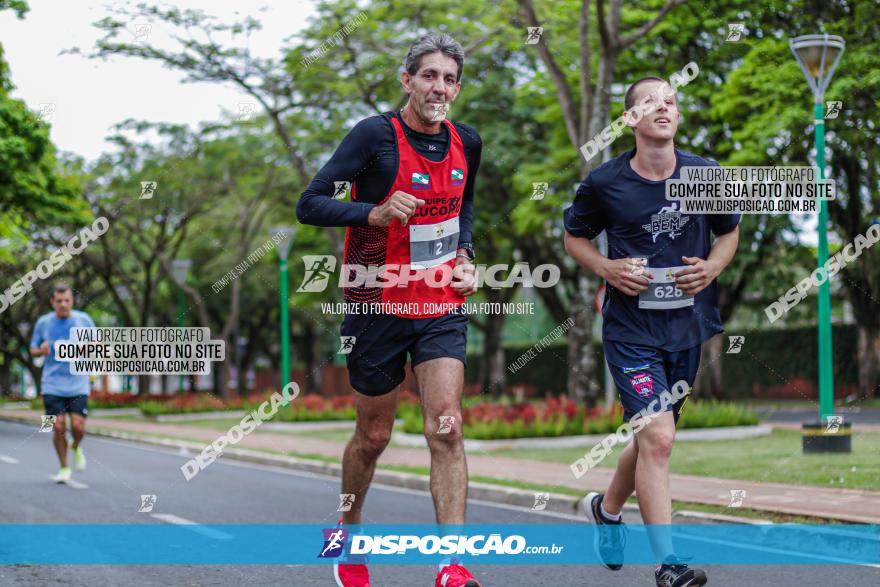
(660, 305)
(62, 391)
(412, 175)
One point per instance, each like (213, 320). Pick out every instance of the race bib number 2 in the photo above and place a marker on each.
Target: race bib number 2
(662, 293)
(433, 244)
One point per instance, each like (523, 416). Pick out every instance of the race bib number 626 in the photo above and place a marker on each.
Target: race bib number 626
(662, 293)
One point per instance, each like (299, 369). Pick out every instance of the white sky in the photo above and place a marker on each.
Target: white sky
(91, 95)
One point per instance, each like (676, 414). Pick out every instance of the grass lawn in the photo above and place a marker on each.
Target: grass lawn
(774, 458)
(873, 403)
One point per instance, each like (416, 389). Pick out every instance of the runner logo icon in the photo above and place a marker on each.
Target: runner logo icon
(334, 541)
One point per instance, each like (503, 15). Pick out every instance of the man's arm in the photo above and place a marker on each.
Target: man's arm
(627, 275)
(39, 347)
(585, 220)
(701, 272)
(355, 153)
(473, 146)
(39, 351)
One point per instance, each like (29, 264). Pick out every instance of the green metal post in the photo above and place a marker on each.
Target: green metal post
(285, 327)
(826, 373)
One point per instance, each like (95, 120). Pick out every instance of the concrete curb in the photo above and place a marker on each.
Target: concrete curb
(236, 414)
(318, 425)
(587, 440)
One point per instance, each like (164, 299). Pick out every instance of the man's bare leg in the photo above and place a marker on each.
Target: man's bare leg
(375, 419)
(78, 429)
(440, 384)
(59, 439)
(623, 484)
(652, 481)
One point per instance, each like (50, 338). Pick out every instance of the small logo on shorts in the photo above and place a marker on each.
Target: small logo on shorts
(643, 384)
(47, 423)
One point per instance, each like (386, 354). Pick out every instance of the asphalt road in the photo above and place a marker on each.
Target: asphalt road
(230, 492)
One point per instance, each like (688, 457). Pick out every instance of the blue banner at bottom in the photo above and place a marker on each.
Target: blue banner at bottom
(539, 544)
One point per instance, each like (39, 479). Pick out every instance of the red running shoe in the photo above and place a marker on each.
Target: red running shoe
(455, 575)
(348, 575)
(350, 571)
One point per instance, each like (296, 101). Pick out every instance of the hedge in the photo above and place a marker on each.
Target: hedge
(770, 357)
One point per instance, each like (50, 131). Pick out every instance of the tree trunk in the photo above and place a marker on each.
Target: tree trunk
(492, 372)
(581, 359)
(709, 382)
(869, 361)
(223, 373)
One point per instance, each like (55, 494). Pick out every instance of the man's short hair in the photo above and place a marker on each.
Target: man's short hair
(630, 99)
(433, 44)
(61, 288)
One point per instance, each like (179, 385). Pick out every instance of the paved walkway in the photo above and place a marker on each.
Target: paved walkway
(840, 504)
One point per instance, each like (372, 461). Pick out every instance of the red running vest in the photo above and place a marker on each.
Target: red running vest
(426, 247)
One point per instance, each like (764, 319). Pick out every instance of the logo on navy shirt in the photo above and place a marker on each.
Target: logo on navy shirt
(334, 541)
(669, 219)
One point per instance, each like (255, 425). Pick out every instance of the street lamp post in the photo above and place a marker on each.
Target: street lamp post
(180, 267)
(818, 56)
(285, 235)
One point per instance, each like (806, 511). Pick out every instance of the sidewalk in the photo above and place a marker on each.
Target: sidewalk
(839, 504)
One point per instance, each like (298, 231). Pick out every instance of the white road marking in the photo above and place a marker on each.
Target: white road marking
(9, 459)
(194, 526)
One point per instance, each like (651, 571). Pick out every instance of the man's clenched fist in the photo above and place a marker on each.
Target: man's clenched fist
(400, 206)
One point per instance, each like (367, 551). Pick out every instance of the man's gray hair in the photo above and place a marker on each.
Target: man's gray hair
(433, 44)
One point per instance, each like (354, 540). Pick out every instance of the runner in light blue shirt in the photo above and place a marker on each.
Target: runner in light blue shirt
(63, 392)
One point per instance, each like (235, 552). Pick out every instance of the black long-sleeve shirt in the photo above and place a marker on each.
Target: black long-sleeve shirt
(368, 158)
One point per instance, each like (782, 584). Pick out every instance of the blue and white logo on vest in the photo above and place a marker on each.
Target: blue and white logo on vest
(669, 219)
(457, 176)
(421, 181)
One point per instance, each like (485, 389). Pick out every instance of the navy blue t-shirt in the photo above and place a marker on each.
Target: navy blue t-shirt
(641, 222)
